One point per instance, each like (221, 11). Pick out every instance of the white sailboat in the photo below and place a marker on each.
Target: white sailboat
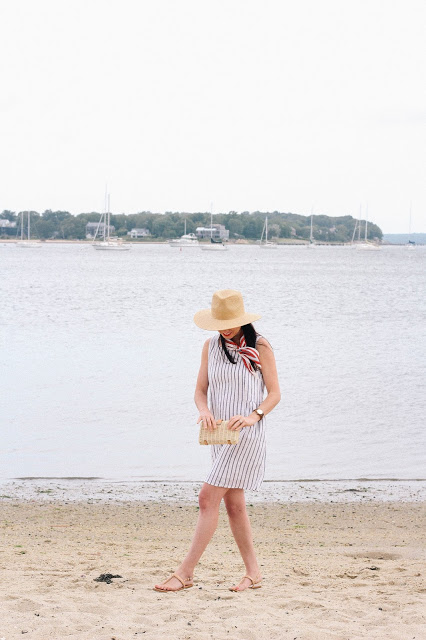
(366, 245)
(266, 244)
(109, 243)
(26, 242)
(213, 245)
(357, 226)
(312, 242)
(187, 240)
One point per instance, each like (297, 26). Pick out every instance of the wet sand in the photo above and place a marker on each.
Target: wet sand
(331, 572)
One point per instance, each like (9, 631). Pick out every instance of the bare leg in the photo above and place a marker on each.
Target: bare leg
(209, 500)
(240, 525)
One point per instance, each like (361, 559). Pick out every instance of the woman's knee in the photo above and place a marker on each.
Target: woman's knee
(235, 506)
(208, 500)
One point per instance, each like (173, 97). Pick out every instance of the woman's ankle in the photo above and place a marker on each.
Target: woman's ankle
(254, 572)
(185, 572)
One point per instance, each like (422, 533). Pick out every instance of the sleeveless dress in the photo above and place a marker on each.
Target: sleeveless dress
(234, 390)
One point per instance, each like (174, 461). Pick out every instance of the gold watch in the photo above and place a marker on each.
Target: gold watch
(259, 413)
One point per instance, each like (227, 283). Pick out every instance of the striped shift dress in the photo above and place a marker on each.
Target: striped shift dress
(234, 390)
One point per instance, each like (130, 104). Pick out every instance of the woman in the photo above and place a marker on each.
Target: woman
(236, 365)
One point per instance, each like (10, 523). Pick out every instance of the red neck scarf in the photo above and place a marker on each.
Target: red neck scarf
(246, 353)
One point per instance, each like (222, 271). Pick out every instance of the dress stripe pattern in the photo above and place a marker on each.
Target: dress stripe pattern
(233, 390)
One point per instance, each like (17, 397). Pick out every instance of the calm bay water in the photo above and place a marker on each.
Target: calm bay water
(100, 356)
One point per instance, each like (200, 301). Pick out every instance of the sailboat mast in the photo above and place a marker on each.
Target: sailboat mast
(109, 214)
(359, 226)
(366, 219)
(353, 235)
(105, 211)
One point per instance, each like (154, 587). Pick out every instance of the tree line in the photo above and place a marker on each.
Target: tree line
(161, 226)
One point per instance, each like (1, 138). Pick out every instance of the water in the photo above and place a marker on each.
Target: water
(100, 356)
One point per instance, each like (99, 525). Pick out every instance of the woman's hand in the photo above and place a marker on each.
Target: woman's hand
(238, 422)
(208, 419)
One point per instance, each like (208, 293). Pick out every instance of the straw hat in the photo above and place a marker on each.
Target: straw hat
(227, 311)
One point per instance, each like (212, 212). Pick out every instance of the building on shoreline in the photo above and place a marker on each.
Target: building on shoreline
(139, 233)
(7, 227)
(92, 226)
(216, 231)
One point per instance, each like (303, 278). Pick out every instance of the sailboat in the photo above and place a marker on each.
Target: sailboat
(108, 243)
(366, 245)
(312, 242)
(187, 240)
(27, 242)
(357, 226)
(411, 244)
(216, 244)
(266, 244)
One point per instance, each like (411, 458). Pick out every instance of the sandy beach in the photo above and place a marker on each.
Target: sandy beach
(331, 572)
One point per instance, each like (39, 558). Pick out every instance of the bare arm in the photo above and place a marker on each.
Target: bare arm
(201, 388)
(270, 376)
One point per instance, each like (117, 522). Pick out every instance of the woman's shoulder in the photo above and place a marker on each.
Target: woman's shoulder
(205, 350)
(261, 341)
(209, 343)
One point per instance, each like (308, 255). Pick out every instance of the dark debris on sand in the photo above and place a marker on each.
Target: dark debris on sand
(106, 577)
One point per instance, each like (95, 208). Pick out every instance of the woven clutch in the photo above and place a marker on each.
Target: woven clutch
(221, 435)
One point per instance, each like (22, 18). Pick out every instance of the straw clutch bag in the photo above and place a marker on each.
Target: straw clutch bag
(221, 435)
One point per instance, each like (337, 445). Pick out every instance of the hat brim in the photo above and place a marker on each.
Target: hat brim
(205, 320)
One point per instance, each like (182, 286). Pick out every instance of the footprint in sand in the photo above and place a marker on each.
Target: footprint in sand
(374, 555)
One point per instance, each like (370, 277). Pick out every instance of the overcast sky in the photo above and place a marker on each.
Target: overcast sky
(249, 104)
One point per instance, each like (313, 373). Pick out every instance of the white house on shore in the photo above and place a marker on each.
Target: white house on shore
(216, 231)
(7, 227)
(92, 226)
(139, 233)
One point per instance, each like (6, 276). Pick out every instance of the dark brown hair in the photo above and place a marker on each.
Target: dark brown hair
(250, 335)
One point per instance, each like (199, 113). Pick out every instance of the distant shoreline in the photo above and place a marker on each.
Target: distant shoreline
(247, 243)
(165, 242)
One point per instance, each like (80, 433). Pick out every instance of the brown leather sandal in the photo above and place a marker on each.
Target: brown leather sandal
(255, 584)
(186, 584)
